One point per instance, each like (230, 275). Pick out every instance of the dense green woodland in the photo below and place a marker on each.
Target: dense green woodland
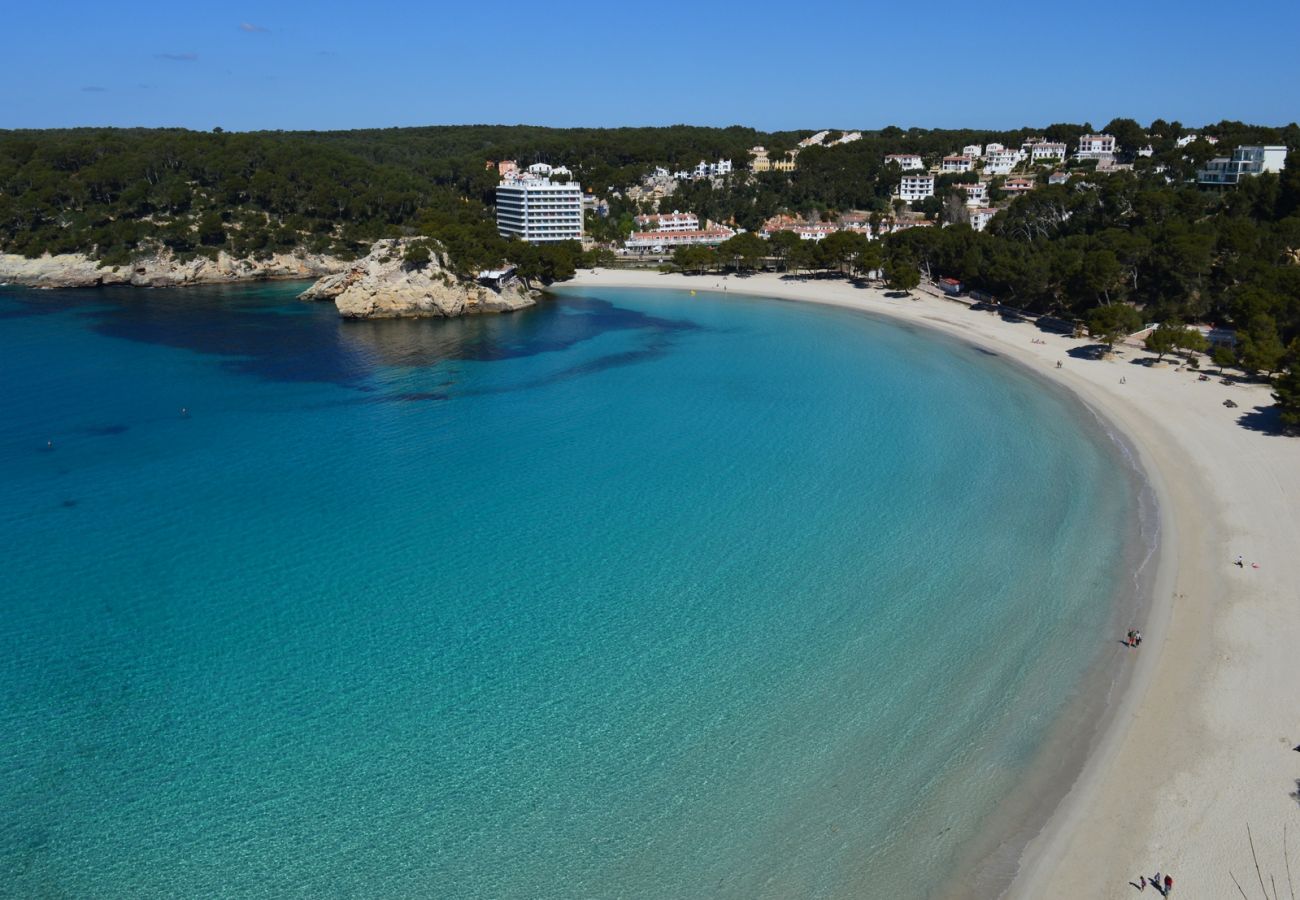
(1148, 238)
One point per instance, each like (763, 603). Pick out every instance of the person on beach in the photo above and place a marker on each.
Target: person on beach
(1241, 561)
(1058, 364)
(1130, 637)
(1169, 885)
(1137, 638)
(1142, 883)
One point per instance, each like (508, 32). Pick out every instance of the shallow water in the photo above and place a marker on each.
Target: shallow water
(635, 594)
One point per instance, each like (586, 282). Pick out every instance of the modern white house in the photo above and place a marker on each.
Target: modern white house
(956, 164)
(673, 221)
(1244, 162)
(990, 149)
(539, 210)
(905, 161)
(916, 187)
(1096, 146)
(975, 151)
(1189, 138)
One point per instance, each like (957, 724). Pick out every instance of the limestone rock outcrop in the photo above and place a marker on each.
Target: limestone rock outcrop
(68, 270)
(384, 286)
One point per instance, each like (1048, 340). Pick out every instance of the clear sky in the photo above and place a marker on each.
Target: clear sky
(804, 64)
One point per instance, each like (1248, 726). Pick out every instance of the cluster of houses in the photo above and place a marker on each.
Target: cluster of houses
(542, 202)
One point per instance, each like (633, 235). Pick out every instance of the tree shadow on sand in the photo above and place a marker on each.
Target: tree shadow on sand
(1089, 351)
(1264, 419)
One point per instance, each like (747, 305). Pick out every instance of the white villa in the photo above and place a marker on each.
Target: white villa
(975, 151)
(976, 194)
(1042, 151)
(916, 187)
(905, 161)
(981, 216)
(707, 170)
(957, 164)
(1096, 146)
(1244, 162)
(1002, 161)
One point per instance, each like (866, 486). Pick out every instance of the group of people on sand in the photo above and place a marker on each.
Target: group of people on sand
(1134, 638)
(1164, 885)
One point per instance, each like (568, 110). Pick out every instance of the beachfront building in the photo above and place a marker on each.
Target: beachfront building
(1096, 146)
(1017, 185)
(956, 164)
(990, 149)
(673, 221)
(664, 241)
(974, 151)
(538, 210)
(981, 216)
(905, 161)
(977, 194)
(1244, 162)
(916, 187)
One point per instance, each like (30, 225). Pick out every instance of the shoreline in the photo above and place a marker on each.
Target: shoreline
(1162, 783)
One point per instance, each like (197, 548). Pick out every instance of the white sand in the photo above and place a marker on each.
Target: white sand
(1201, 743)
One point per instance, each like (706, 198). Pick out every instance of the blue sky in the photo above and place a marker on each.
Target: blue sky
(812, 64)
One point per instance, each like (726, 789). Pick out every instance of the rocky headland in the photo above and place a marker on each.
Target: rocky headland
(388, 284)
(73, 270)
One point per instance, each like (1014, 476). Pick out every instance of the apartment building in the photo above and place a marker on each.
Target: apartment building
(538, 210)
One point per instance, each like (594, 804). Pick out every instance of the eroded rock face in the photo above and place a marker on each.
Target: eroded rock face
(381, 286)
(69, 270)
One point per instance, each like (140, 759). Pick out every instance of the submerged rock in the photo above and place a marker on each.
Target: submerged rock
(383, 286)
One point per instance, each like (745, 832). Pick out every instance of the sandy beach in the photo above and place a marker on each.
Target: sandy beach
(1200, 745)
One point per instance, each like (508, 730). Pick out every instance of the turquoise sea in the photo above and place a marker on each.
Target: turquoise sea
(636, 594)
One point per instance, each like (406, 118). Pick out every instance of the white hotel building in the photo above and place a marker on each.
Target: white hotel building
(539, 211)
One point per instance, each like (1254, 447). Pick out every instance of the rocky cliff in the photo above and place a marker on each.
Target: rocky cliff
(159, 270)
(385, 286)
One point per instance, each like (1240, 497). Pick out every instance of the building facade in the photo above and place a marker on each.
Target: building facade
(1244, 162)
(539, 211)
(673, 221)
(916, 187)
(1096, 146)
(956, 164)
(905, 160)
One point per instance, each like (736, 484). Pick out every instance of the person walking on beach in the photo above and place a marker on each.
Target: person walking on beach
(1241, 561)
(1169, 886)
